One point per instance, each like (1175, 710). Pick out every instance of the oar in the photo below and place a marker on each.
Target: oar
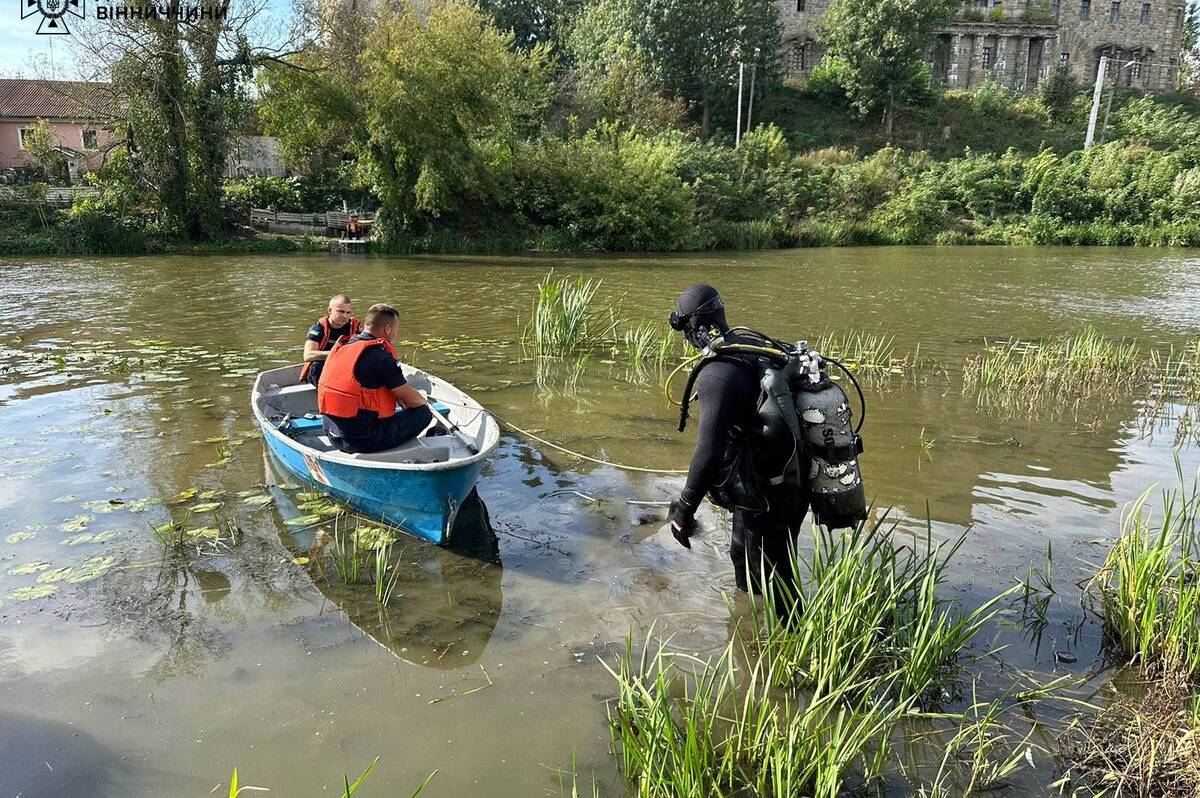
(454, 428)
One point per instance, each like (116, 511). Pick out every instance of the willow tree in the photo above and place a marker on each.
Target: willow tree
(878, 48)
(446, 100)
(178, 84)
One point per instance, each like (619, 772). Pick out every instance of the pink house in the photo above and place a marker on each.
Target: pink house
(79, 115)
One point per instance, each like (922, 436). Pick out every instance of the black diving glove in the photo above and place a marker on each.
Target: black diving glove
(683, 521)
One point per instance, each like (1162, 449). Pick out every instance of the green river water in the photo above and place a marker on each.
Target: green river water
(124, 382)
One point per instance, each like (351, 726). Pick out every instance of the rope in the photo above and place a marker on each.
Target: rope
(563, 449)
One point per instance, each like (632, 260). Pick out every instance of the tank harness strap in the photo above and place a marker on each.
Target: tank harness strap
(691, 383)
(838, 454)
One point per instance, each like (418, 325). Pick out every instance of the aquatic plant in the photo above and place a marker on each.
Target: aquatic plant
(1020, 375)
(816, 694)
(686, 727)
(1148, 591)
(926, 445)
(386, 575)
(869, 610)
(344, 552)
(563, 320)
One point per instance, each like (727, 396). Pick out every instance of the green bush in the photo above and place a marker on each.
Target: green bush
(610, 190)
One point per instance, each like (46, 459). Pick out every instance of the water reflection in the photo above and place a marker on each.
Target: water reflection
(447, 599)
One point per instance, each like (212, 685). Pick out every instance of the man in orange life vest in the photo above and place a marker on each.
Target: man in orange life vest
(361, 385)
(324, 334)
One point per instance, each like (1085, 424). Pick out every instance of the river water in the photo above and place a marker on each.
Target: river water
(124, 386)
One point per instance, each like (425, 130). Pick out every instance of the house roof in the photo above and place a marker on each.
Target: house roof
(55, 99)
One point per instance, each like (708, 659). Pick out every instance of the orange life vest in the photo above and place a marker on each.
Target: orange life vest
(326, 332)
(340, 394)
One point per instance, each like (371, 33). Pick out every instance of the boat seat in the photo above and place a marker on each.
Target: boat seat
(294, 400)
(414, 451)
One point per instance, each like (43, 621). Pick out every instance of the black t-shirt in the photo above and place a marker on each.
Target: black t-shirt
(375, 368)
(315, 334)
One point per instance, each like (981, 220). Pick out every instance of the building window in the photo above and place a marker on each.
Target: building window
(1064, 59)
(88, 139)
(1085, 9)
(987, 57)
(1054, 8)
(1115, 12)
(800, 5)
(1145, 13)
(22, 134)
(799, 57)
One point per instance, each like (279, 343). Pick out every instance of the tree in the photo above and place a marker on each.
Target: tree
(179, 92)
(692, 47)
(446, 101)
(880, 48)
(41, 144)
(1189, 73)
(1056, 94)
(532, 22)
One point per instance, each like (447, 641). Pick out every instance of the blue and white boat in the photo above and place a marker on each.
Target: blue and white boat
(417, 487)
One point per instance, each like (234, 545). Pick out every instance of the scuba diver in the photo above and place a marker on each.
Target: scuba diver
(775, 436)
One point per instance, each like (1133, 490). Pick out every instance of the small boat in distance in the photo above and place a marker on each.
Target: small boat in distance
(417, 487)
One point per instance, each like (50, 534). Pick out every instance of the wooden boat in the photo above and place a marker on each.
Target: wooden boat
(417, 487)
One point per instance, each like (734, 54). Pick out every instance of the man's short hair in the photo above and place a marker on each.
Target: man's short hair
(380, 313)
(336, 298)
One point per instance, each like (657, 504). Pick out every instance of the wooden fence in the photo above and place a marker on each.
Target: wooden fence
(58, 196)
(330, 220)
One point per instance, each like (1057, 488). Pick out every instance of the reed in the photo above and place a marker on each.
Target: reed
(831, 674)
(386, 575)
(1022, 375)
(686, 728)
(1148, 591)
(563, 320)
(870, 613)
(344, 552)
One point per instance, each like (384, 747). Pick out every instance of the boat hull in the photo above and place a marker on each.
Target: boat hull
(422, 503)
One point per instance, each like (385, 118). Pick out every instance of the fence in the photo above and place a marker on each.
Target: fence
(330, 220)
(58, 196)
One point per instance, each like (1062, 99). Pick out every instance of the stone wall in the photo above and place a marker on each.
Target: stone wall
(1016, 43)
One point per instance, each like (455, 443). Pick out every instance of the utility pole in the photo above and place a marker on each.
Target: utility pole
(737, 135)
(1096, 93)
(750, 109)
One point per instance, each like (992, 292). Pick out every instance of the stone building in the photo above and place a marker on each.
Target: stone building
(1016, 43)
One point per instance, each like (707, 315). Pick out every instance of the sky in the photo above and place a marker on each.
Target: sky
(24, 54)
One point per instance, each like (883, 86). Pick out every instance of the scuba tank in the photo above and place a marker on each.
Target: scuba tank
(807, 435)
(830, 442)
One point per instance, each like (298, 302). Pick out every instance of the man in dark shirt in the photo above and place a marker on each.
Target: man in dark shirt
(727, 464)
(361, 385)
(324, 333)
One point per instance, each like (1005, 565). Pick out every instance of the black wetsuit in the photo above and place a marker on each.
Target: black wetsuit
(763, 530)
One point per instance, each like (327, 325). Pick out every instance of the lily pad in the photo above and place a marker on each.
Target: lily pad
(24, 534)
(65, 499)
(76, 524)
(258, 500)
(28, 568)
(57, 575)
(203, 532)
(206, 507)
(303, 520)
(140, 505)
(185, 496)
(33, 592)
(103, 505)
(92, 568)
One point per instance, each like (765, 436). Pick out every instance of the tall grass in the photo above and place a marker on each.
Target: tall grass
(1081, 365)
(687, 728)
(831, 674)
(563, 321)
(1148, 587)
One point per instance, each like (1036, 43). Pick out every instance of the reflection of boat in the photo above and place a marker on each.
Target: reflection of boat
(447, 599)
(418, 486)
